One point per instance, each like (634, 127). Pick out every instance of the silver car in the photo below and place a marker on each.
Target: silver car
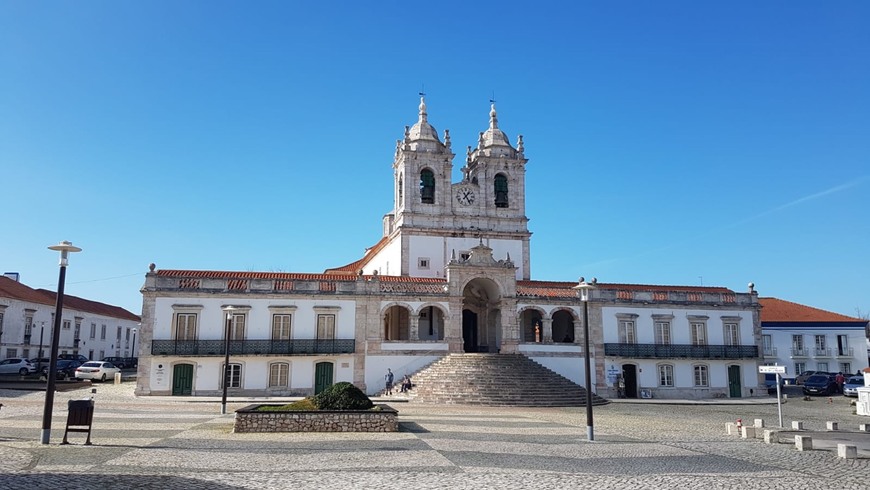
(17, 365)
(850, 387)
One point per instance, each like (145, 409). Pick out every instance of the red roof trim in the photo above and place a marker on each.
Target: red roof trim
(780, 310)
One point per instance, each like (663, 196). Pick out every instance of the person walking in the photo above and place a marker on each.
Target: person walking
(388, 380)
(840, 379)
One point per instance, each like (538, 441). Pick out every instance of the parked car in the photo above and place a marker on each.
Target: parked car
(17, 365)
(66, 368)
(770, 382)
(123, 362)
(96, 371)
(850, 387)
(73, 357)
(820, 384)
(799, 380)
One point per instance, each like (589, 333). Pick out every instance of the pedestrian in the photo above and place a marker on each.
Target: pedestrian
(620, 390)
(406, 384)
(840, 379)
(388, 379)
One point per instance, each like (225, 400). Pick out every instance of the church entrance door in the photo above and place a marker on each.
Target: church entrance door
(469, 331)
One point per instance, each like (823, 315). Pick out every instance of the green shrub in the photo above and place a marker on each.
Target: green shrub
(342, 396)
(305, 404)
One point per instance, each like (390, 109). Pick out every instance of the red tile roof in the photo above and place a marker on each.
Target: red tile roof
(355, 266)
(16, 290)
(779, 310)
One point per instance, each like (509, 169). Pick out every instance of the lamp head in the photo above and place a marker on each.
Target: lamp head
(64, 247)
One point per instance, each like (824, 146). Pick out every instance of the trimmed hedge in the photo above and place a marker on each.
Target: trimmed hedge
(342, 396)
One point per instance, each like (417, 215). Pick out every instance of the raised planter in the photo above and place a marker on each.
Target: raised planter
(383, 419)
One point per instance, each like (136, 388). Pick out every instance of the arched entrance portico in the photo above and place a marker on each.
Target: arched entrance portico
(481, 316)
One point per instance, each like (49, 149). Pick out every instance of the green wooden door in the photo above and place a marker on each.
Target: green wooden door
(182, 379)
(735, 389)
(322, 376)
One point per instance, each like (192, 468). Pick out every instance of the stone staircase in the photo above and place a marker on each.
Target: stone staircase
(495, 380)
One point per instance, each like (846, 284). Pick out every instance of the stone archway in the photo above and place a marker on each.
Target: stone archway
(397, 322)
(531, 317)
(481, 316)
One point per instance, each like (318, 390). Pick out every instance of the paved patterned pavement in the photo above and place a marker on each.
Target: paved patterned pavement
(168, 443)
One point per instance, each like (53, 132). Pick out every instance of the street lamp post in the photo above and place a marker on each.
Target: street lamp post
(39, 356)
(584, 287)
(229, 323)
(64, 248)
(133, 348)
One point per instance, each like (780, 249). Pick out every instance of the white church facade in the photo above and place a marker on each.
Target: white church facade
(451, 274)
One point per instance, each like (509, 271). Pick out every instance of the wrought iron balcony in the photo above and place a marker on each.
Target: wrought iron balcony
(799, 352)
(770, 352)
(681, 351)
(845, 352)
(296, 347)
(822, 352)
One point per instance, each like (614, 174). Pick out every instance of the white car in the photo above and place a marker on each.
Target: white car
(96, 371)
(16, 365)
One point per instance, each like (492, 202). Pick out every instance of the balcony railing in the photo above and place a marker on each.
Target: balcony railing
(296, 347)
(770, 352)
(846, 352)
(660, 351)
(799, 352)
(822, 352)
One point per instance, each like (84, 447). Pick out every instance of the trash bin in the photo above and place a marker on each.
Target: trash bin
(79, 419)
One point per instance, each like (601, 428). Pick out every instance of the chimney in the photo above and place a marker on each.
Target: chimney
(12, 275)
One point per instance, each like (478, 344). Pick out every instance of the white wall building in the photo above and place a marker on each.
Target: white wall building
(803, 338)
(90, 328)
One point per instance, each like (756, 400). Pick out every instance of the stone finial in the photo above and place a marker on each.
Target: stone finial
(447, 138)
(407, 134)
(480, 140)
(520, 147)
(751, 287)
(423, 108)
(152, 266)
(493, 118)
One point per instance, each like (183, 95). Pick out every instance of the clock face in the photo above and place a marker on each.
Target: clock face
(465, 196)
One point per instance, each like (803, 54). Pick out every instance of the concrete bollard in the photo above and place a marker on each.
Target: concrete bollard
(832, 425)
(864, 427)
(770, 437)
(803, 443)
(730, 428)
(846, 451)
(117, 378)
(797, 425)
(748, 432)
(759, 423)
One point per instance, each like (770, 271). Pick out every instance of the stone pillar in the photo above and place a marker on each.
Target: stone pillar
(414, 328)
(510, 331)
(578, 332)
(548, 330)
(797, 425)
(453, 326)
(847, 451)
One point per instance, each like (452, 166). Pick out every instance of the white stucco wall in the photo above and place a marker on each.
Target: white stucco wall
(376, 368)
(782, 343)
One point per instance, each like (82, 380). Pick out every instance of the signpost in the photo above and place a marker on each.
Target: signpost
(778, 370)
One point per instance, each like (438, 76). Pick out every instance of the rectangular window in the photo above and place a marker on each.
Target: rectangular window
(28, 328)
(185, 326)
(237, 327)
(67, 324)
(663, 333)
(103, 333)
(423, 263)
(25, 353)
(11, 352)
(118, 335)
(699, 333)
(666, 375)
(799, 367)
(235, 376)
(843, 345)
(822, 366)
(797, 344)
(732, 334)
(325, 327)
(93, 330)
(846, 368)
(821, 345)
(701, 378)
(102, 354)
(280, 327)
(627, 332)
(78, 330)
(279, 375)
(767, 345)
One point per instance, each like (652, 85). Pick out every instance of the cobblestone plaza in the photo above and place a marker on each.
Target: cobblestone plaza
(166, 443)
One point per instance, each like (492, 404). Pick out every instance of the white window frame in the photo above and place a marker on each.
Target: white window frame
(731, 333)
(799, 367)
(235, 378)
(279, 375)
(822, 366)
(326, 322)
(662, 332)
(701, 374)
(666, 375)
(627, 328)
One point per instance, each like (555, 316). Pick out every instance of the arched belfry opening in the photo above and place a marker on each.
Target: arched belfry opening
(481, 316)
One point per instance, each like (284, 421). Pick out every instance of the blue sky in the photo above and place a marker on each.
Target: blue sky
(679, 143)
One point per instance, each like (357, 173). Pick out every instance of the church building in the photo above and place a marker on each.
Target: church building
(451, 274)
